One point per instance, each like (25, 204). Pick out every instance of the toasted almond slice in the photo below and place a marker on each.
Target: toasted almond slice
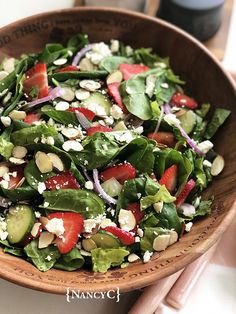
(43, 162)
(56, 161)
(133, 258)
(90, 85)
(217, 165)
(107, 222)
(17, 115)
(120, 126)
(86, 65)
(115, 77)
(16, 161)
(82, 94)
(43, 220)
(85, 253)
(60, 61)
(89, 245)
(68, 94)
(6, 121)
(9, 64)
(45, 239)
(35, 229)
(19, 152)
(173, 237)
(126, 220)
(161, 242)
(158, 206)
(71, 133)
(72, 145)
(3, 170)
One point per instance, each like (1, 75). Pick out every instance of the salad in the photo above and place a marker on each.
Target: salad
(103, 155)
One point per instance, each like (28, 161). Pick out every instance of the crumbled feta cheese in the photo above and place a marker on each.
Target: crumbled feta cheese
(207, 163)
(37, 214)
(89, 225)
(150, 85)
(115, 44)
(161, 65)
(72, 145)
(158, 206)
(3, 235)
(126, 220)
(133, 257)
(124, 137)
(140, 232)
(50, 140)
(146, 257)
(89, 185)
(99, 51)
(129, 51)
(3, 228)
(171, 119)
(138, 130)
(55, 226)
(109, 120)
(4, 184)
(62, 106)
(48, 258)
(137, 239)
(165, 85)
(116, 112)
(41, 187)
(205, 146)
(139, 195)
(97, 109)
(188, 226)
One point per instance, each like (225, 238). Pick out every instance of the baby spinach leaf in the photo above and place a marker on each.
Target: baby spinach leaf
(52, 52)
(218, 118)
(162, 195)
(112, 63)
(77, 42)
(39, 257)
(22, 193)
(70, 261)
(63, 76)
(6, 148)
(87, 203)
(63, 117)
(203, 111)
(168, 218)
(14, 251)
(146, 56)
(150, 233)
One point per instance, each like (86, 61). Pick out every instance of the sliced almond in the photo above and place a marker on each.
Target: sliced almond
(90, 85)
(71, 133)
(82, 94)
(56, 161)
(173, 237)
(126, 220)
(3, 170)
(120, 126)
(217, 165)
(6, 121)
(17, 115)
(17, 161)
(89, 245)
(68, 94)
(43, 162)
(107, 222)
(19, 152)
(9, 64)
(60, 61)
(43, 220)
(35, 229)
(86, 65)
(85, 253)
(72, 145)
(161, 242)
(158, 206)
(133, 258)
(115, 77)
(45, 239)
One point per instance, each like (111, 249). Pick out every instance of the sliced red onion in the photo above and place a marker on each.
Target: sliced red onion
(191, 142)
(85, 123)
(98, 188)
(86, 175)
(4, 202)
(53, 93)
(159, 121)
(82, 53)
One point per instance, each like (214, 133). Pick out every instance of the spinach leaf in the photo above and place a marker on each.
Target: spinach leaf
(22, 193)
(162, 195)
(14, 251)
(112, 63)
(204, 208)
(168, 218)
(32, 134)
(52, 52)
(203, 111)
(87, 203)
(70, 261)
(63, 117)
(77, 42)
(150, 233)
(63, 76)
(146, 56)
(103, 259)
(218, 118)
(43, 259)
(199, 129)
(6, 148)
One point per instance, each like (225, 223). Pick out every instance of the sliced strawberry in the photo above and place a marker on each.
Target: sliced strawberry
(124, 236)
(169, 178)
(95, 129)
(64, 180)
(32, 117)
(69, 68)
(36, 79)
(29, 237)
(121, 173)
(89, 114)
(135, 209)
(16, 177)
(73, 224)
(166, 138)
(114, 91)
(180, 100)
(130, 70)
(185, 192)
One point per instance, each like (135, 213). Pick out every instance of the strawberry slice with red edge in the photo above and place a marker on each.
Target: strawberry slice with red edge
(69, 68)
(73, 224)
(114, 91)
(129, 70)
(64, 180)
(89, 114)
(169, 178)
(185, 192)
(166, 138)
(135, 209)
(124, 236)
(16, 178)
(180, 100)
(95, 129)
(121, 173)
(36, 81)
(31, 118)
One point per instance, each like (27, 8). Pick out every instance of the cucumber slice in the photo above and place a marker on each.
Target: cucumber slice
(20, 220)
(188, 121)
(105, 240)
(99, 99)
(112, 187)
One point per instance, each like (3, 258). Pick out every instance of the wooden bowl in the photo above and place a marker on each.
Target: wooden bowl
(207, 81)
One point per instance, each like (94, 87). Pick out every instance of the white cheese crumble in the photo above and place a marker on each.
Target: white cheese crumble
(97, 109)
(41, 187)
(150, 85)
(99, 51)
(165, 85)
(146, 257)
(55, 226)
(115, 45)
(89, 185)
(140, 232)
(205, 146)
(207, 163)
(3, 228)
(89, 225)
(171, 119)
(116, 112)
(129, 51)
(188, 226)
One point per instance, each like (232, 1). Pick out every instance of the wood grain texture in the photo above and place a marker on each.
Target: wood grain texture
(206, 80)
